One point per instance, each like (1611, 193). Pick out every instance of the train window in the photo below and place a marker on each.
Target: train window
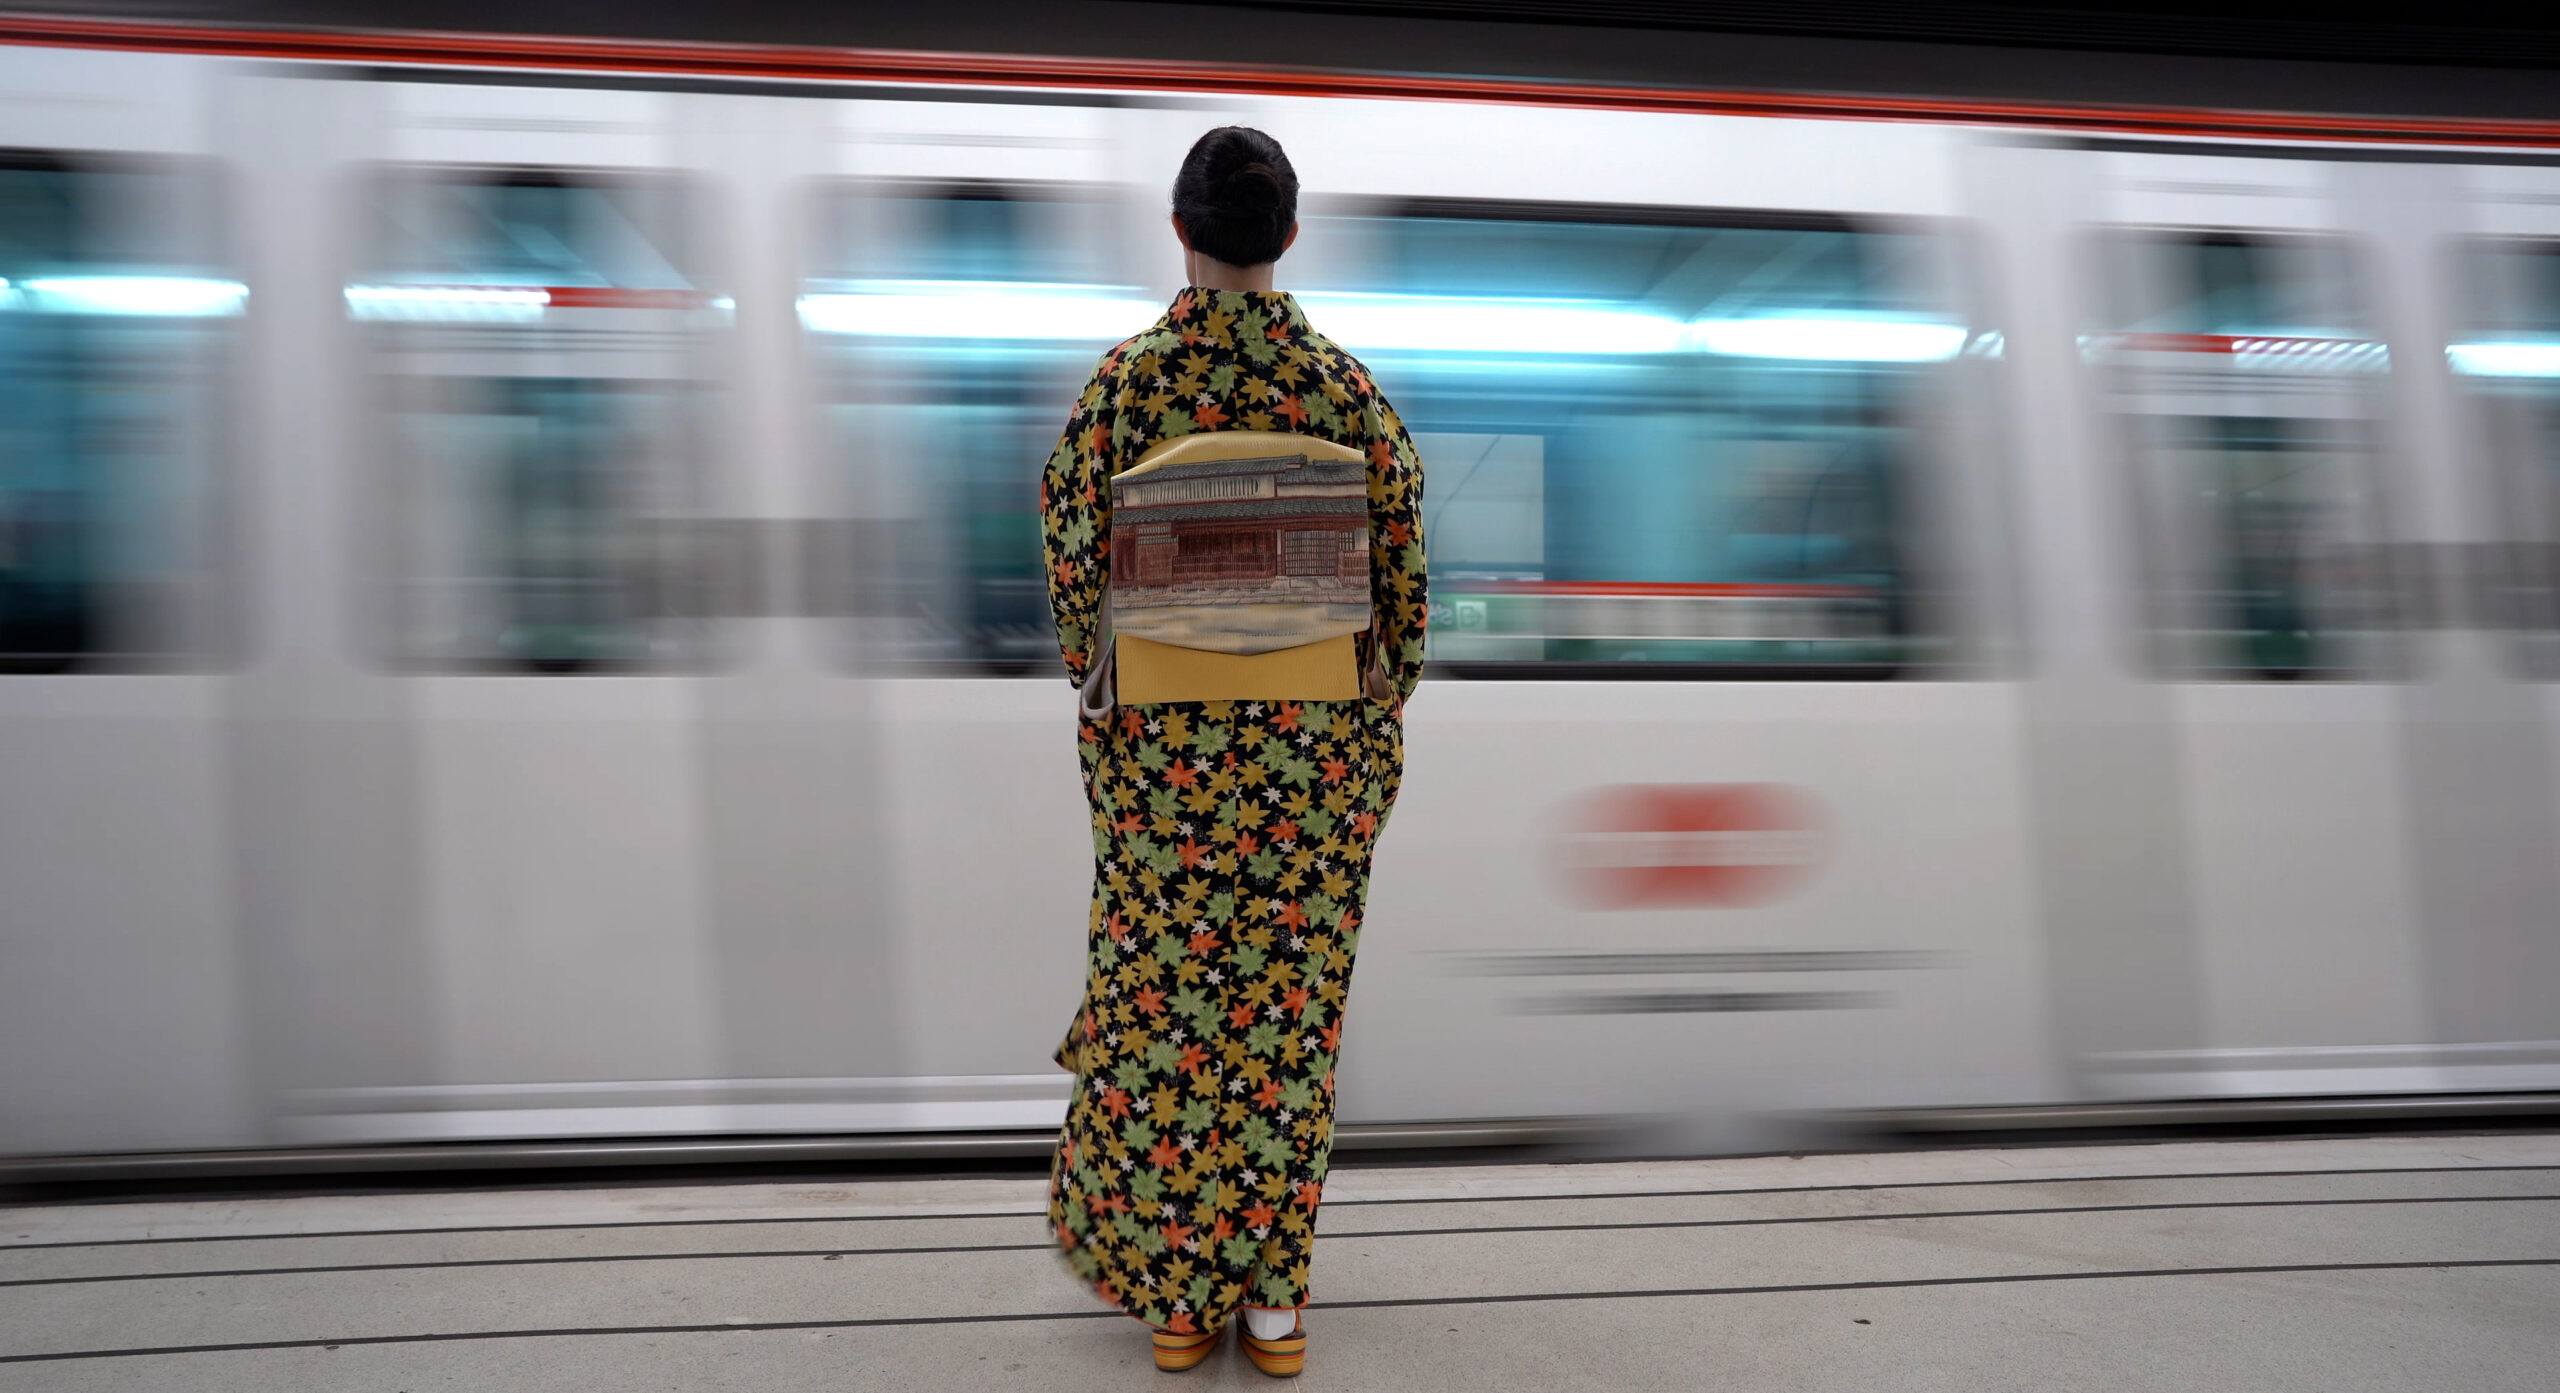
(952, 325)
(1659, 442)
(114, 317)
(536, 340)
(2506, 363)
(2242, 382)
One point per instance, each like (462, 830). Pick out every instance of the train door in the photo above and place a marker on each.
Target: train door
(2247, 452)
(797, 822)
(121, 317)
(962, 270)
(2477, 317)
(529, 291)
(1711, 800)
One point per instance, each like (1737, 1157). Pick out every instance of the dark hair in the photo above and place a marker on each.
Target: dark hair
(1236, 196)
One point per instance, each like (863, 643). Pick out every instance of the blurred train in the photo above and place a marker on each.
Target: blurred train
(522, 616)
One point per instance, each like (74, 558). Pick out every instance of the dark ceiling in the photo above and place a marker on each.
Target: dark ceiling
(2174, 52)
(2529, 37)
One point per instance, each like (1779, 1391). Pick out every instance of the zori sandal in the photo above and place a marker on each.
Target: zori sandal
(1176, 1353)
(1280, 1358)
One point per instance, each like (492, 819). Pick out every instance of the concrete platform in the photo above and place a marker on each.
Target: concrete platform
(2388, 1263)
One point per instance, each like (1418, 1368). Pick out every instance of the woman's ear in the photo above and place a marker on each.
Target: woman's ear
(1286, 243)
(1184, 237)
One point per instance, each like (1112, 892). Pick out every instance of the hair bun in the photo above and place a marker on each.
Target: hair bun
(1256, 183)
(1236, 196)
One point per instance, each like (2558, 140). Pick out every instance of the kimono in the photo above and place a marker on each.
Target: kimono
(1231, 849)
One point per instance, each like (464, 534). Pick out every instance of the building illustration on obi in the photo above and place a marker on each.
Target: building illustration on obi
(1241, 555)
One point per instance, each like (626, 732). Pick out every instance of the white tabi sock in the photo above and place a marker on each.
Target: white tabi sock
(1269, 1325)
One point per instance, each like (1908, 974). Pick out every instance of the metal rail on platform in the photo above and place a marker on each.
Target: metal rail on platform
(2193, 1112)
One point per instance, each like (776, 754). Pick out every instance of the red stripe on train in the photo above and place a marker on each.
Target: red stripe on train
(604, 297)
(2224, 343)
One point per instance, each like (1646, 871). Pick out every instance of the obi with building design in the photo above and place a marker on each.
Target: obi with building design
(1241, 555)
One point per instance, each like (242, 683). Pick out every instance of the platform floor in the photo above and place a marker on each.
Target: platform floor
(2393, 1263)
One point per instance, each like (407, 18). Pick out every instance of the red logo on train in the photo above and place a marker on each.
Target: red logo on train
(1665, 846)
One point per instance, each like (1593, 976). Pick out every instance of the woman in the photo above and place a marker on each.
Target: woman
(1231, 838)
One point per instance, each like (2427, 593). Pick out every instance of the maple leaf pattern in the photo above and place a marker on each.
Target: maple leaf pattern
(1231, 849)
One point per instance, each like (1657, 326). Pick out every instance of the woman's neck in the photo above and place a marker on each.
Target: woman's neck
(1209, 273)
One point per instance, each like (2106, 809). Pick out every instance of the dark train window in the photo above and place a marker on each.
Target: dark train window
(2506, 365)
(952, 325)
(537, 342)
(115, 317)
(1660, 442)
(2242, 381)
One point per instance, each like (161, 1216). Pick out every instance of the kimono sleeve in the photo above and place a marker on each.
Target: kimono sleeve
(1397, 567)
(1075, 519)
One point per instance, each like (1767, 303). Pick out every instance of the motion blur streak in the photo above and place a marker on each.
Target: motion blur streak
(1385, 323)
(977, 309)
(2505, 359)
(1816, 339)
(521, 611)
(446, 302)
(180, 296)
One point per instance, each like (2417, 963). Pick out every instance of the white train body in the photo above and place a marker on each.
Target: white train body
(339, 864)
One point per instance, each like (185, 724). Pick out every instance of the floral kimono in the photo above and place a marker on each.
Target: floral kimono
(1231, 850)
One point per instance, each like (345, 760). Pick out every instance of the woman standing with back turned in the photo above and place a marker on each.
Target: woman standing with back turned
(1232, 834)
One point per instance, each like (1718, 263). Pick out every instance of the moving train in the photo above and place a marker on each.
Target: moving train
(521, 617)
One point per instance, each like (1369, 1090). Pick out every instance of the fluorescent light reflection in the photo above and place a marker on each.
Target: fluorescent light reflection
(1449, 324)
(447, 304)
(1379, 323)
(182, 297)
(1825, 339)
(1574, 328)
(2505, 359)
(978, 310)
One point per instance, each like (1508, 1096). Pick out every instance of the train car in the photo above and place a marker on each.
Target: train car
(523, 622)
